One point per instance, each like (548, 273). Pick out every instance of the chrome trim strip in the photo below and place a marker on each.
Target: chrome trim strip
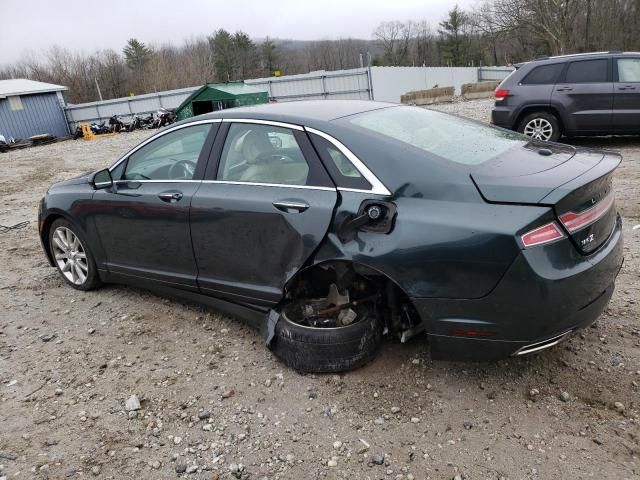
(536, 347)
(157, 181)
(263, 122)
(225, 182)
(160, 134)
(281, 185)
(377, 187)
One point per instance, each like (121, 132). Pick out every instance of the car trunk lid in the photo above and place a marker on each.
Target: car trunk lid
(576, 183)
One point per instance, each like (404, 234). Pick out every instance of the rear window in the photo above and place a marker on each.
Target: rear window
(543, 75)
(587, 71)
(447, 136)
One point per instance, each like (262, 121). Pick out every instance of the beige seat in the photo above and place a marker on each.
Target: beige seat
(265, 166)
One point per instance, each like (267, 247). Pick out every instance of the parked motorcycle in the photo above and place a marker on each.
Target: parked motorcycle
(100, 128)
(117, 125)
(164, 117)
(138, 121)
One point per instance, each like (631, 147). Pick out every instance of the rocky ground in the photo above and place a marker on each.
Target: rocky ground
(119, 383)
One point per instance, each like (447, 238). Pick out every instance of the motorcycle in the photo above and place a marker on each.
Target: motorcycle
(117, 125)
(100, 128)
(141, 122)
(164, 117)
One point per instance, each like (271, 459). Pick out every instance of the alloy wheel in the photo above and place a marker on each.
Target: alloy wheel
(539, 128)
(70, 255)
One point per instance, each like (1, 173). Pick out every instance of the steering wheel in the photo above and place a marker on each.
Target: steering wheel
(182, 169)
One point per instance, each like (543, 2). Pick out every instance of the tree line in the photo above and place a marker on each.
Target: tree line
(493, 32)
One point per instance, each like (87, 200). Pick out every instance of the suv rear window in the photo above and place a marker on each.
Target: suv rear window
(588, 71)
(543, 75)
(447, 136)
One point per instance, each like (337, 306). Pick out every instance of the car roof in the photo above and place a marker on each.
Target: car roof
(560, 58)
(304, 112)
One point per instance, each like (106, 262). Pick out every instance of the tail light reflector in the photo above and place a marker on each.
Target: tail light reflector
(545, 234)
(577, 221)
(501, 94)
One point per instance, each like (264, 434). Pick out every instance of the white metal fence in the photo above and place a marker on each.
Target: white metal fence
(375, 83)
(344, 84)
(494, 73)
(126, 106)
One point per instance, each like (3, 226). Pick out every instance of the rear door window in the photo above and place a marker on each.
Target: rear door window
(256, 153)
(588, 71)
(628, 70)
(544, 75)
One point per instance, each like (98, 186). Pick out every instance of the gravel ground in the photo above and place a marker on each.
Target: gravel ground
(211, 401)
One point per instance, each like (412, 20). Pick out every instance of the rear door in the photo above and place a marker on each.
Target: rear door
(264, 207)
(585, 94)
(626, 103)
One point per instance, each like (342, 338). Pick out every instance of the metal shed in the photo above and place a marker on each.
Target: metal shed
(218, 96)
(30, 108)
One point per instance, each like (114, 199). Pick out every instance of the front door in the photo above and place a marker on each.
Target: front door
(262, 210)
(143, 223)
(586, 96)
(626, 103)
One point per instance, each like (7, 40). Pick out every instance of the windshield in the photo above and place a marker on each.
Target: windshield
(450, 137)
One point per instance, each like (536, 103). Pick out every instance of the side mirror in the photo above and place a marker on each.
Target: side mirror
(102, 179)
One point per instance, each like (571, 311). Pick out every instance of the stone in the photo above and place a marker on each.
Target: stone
(132, 403)
(395, 409)
(95, 470)
(377, 459)
(337, 444)
(181, 468)
(192, 469)
(565, 397)
(619, 406)
(415, 420)
(177, 440)
(332, 463)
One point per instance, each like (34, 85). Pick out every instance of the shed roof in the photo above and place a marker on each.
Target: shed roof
(22, 86)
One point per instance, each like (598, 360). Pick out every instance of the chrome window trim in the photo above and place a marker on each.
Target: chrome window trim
(228, 182)
(281, 185)
(158, 135)
(377, 187)
(263, 122)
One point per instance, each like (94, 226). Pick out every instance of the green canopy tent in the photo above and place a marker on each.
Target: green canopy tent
(218, 96)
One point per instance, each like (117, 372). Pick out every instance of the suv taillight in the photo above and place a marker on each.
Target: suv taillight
(501, 94)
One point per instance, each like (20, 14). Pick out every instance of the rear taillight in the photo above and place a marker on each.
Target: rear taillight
(542, 235)
(573, 221)
(501, 94)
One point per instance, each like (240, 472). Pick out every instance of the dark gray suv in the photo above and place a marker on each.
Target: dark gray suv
(584, 94)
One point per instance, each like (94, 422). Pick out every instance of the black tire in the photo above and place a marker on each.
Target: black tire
(92, 280)
(543, 116)
(327, 350)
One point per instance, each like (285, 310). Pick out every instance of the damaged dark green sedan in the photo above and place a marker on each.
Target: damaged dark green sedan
(327, 224)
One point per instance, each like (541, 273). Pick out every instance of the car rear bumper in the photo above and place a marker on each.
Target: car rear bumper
(503, 116)
(547, 293)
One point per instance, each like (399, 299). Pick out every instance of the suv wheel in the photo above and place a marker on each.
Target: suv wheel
(541, 126)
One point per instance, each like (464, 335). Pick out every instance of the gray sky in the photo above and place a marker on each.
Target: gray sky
(89, 25)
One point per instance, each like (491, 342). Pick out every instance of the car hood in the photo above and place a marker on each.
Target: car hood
(78, 180)
(528, 174)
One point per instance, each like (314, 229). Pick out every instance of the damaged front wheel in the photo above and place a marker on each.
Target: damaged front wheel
(327, 340)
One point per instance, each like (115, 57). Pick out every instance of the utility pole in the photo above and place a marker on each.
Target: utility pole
(98, 87)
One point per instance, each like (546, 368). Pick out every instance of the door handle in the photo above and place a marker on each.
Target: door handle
(288, 206)
(170, 197)
(627, 87)
(564, 89)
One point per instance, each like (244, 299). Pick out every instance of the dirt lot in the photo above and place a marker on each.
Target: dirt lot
(216, 404)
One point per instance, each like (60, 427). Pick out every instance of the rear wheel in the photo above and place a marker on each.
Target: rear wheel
(323, 345)
(541, 126)
(72, 257)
